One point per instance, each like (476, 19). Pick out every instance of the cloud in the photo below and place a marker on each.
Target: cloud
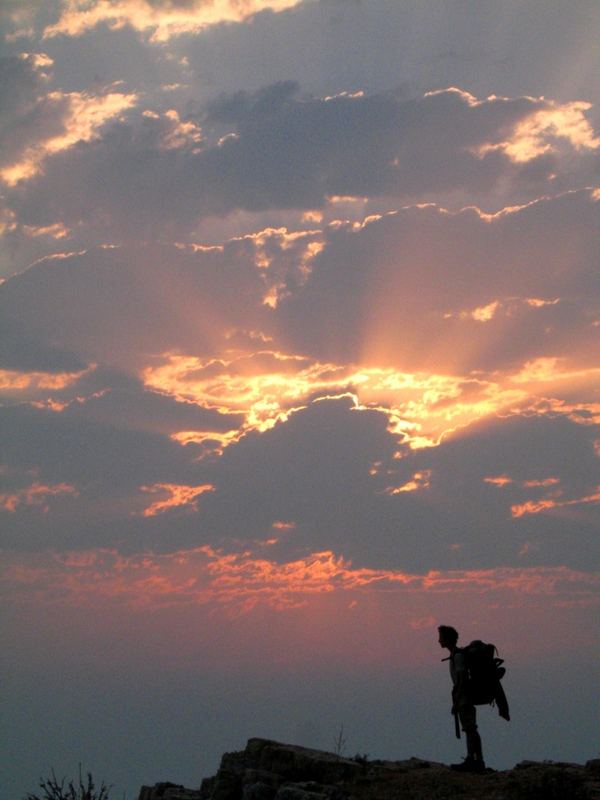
(36, 123)
(161, 18)
(523, 47)
(438, 318)
(553, 501)
(275, 149)
(536, 135)
(328, 378)
(37, 494)
(432, 276)
(82, 303)
(176, 496)
(82, 116)
(303, 338)
(107, 465)
(89, 454)
(16, 382)
(23, 79)
(103, 396)
(239, 583)
(29, 361)
(302, 470)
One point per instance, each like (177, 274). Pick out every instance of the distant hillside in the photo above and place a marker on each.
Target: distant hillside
(268, 770)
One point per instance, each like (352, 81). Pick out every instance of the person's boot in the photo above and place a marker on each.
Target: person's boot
(470, 764)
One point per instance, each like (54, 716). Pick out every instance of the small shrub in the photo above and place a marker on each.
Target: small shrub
(339, 743)
(53, 789)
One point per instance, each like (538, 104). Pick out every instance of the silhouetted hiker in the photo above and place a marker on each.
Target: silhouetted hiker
(463, 708)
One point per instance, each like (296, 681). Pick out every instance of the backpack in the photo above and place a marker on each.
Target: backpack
(485, 672)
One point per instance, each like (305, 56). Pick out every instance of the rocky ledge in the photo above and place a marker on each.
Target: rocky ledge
(268, 770)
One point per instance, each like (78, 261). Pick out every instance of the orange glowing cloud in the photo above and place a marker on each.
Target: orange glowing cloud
(541, 482)
(179, 133)
(214, 442)
(176, 495)
(243, 384)
(538, 302)
(419, 481)
(507, 305)
(164, 20)
(83, 116)
(498, 480)
(267, 386)
(539, 132)
(552, 502)
(55, 231)
(423, 408)
(553, 369)
(505, 480)
(480, 314)
(35, 495)
(14, 382)
(268, 243)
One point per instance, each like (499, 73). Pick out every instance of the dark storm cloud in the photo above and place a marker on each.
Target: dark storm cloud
(284, 151)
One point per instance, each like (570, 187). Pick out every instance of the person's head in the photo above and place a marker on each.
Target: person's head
(448, 636)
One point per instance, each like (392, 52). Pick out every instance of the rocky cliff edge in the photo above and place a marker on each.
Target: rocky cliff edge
(268, 770)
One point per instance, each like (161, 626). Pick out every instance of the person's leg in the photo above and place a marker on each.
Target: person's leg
(468, 720)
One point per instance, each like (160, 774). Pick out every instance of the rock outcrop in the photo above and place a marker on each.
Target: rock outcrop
(268, 770)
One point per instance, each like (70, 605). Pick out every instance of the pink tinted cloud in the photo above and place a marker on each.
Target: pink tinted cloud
(240, 581)
(229, 610)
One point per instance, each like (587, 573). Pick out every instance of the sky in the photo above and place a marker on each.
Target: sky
(299, 359)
